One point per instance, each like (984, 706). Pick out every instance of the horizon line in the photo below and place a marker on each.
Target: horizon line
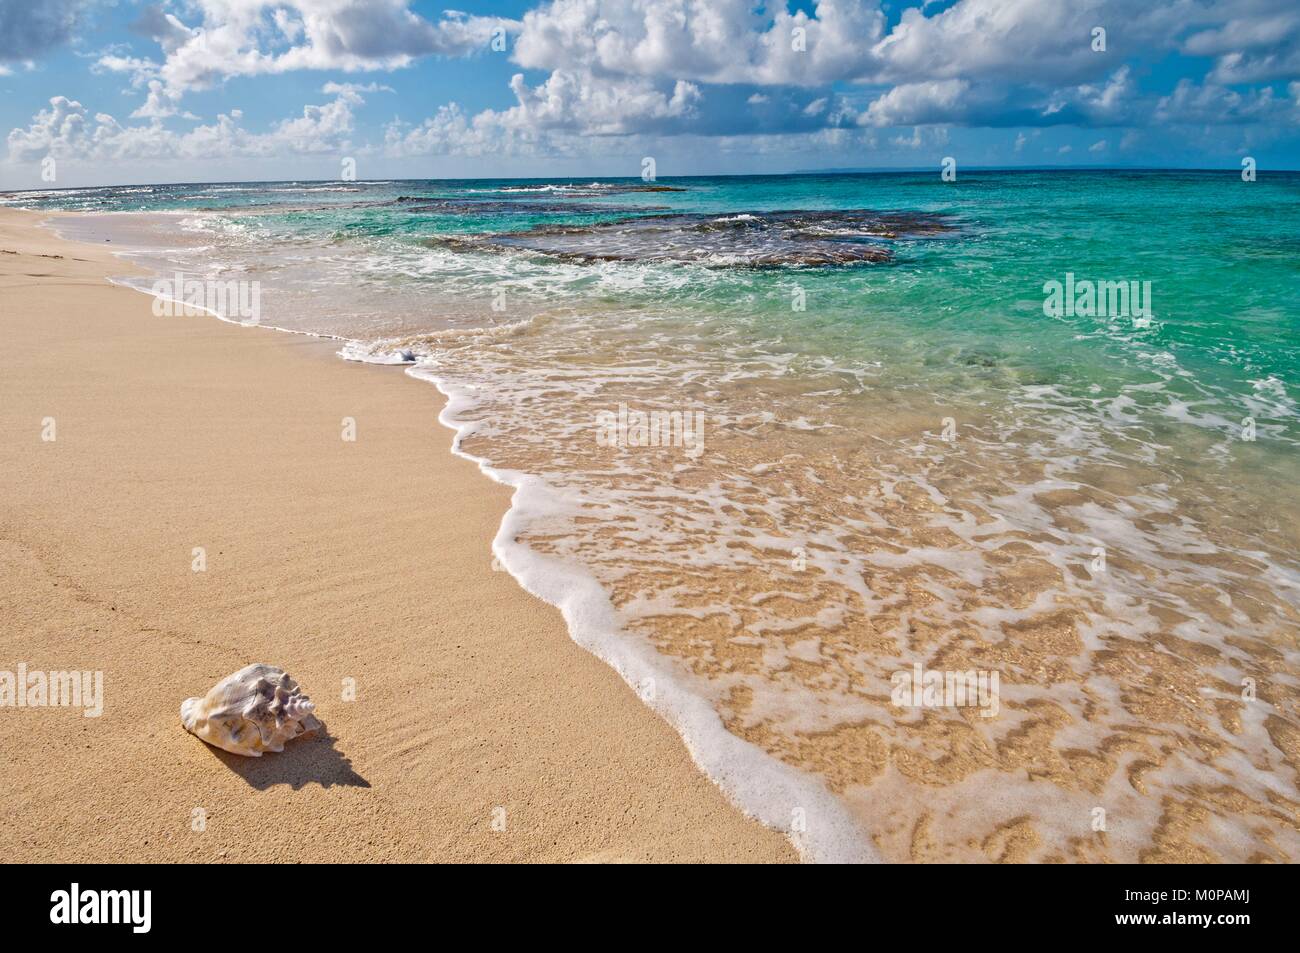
(834, 171)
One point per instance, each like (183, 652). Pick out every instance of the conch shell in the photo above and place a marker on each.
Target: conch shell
(256, 709)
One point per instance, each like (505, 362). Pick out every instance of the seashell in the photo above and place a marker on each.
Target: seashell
(254, 710)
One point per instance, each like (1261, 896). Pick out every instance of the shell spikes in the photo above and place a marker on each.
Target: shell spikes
(256, 709)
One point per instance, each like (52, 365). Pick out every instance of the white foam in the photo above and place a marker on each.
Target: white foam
(760, 785)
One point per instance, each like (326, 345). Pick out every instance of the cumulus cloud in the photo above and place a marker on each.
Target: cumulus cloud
(449, 131)
(978, 62)
(1257, 41)
(833, 72)
(252, 37)
(1212, 104)
(1113, 102)
(569, 103)
(941, 101)
(51, 132)
(160, 104)
(740, 41)
(723, 41)
(573, 100)
(67, 130)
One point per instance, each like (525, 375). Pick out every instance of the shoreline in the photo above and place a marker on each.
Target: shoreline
(760, 786)
(826, 832)
(471, 695)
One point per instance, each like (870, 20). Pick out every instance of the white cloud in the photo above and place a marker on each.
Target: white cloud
(739, 41)
(912, 142)
(450, 132)
(569, 103)
(160, 104)
(1111, 102)
(332, 88)
(252, 37)
(1239, 67)
(919, 103)
(1213, 104)
(1260, 42)
(140, 69)
(66, 130)
(51, 132)
(577, 102)
(690, 68)
(722, 41)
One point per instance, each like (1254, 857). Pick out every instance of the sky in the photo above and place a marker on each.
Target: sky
(101, 92)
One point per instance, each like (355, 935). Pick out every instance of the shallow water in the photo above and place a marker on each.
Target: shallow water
(879, 449)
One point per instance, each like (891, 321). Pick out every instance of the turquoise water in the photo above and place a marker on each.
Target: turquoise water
(1221, 256)
(906, 459)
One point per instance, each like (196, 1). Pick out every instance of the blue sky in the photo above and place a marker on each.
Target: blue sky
(186, 90)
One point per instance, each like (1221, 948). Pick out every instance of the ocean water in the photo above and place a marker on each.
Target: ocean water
(879, 450)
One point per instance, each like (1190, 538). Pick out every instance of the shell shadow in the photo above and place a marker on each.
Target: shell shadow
(312, 759)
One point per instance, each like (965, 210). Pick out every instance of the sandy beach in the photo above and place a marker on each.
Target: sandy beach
(360, 565)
